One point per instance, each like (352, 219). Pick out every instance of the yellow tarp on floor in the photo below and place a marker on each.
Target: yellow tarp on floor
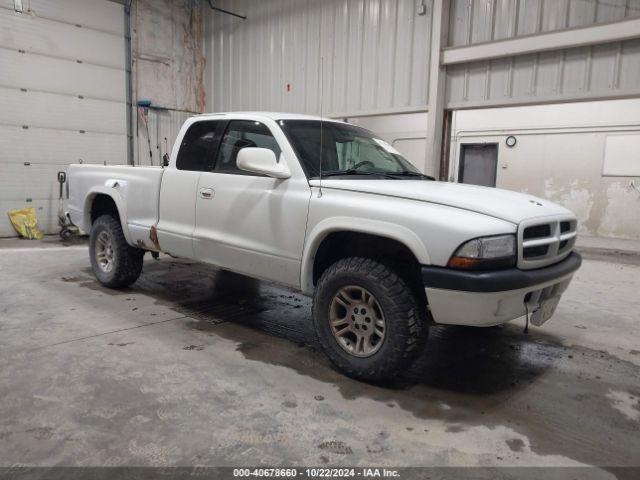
(25, 221)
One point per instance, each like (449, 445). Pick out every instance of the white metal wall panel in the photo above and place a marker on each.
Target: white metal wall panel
(375, 56)
(97, 15)
(29, 182)
(598, 72)
(62, 98)
(34, 34)
(51, 110)
(47, 74)
(474, 21)
(60, 147)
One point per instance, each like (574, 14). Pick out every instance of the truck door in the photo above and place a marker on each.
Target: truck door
(246, 222)
(179, 187)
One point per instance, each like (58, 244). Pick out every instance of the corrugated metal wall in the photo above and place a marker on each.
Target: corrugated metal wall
(375, 56)
(602, 71)
(475, 21)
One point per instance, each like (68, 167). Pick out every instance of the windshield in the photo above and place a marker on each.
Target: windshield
(346, 150)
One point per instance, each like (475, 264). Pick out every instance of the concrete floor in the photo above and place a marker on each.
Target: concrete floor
(192, 367)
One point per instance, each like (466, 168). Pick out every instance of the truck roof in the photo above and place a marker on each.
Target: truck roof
(271, 115)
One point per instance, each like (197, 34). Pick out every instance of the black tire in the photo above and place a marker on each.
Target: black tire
(404, 312)
(126, 263)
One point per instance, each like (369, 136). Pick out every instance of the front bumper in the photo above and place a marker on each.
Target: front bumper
(486, 298)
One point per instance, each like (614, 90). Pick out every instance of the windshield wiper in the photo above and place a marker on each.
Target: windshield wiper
(391, 175)
(353, 171)
(409, 173)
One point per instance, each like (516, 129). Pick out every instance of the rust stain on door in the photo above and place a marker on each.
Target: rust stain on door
(153, 236)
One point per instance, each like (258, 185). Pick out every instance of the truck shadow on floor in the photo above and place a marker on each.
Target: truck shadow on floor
(459, 359)
(465, 377)
(464, 360)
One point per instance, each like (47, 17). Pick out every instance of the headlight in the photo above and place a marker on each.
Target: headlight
(485, 253)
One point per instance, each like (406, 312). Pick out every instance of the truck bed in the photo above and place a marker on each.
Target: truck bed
(134, 189)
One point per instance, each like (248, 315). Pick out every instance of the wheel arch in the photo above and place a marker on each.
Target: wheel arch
(103, 200)
(327, 230)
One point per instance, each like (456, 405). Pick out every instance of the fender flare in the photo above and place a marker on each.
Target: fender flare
(117, 199)
(359, 225)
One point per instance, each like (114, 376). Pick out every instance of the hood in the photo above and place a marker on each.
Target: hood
(503, 204)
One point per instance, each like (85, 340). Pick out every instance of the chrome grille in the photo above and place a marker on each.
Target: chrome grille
(544, 242)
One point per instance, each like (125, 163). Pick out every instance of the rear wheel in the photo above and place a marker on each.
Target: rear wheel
(114, 262)
(369, 320)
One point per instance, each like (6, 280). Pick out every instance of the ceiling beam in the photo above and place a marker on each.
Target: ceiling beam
(541, 42)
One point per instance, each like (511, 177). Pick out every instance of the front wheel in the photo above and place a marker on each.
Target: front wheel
(368, 319)
(115, 263)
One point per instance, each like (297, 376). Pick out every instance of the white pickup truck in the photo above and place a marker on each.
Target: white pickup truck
(332, 210)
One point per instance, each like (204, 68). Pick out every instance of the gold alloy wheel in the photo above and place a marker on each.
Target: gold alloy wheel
(357, 321)
(104, 252)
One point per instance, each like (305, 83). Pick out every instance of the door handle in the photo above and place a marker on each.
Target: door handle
(206, 193)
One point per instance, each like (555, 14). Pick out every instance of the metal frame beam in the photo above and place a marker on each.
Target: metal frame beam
(378, 112)
(437, 82)
(546, 99)
(541, 42)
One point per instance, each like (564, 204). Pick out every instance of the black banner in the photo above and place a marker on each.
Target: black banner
(21, 472)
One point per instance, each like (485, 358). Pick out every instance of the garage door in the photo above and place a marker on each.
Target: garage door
(62, 98)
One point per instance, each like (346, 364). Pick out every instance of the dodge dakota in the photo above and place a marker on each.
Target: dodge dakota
(332, 210)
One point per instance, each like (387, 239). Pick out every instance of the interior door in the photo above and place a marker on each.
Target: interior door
(478, 164)
(250, 223)
(179, 187)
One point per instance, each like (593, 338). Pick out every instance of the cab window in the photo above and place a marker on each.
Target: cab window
(242, 134)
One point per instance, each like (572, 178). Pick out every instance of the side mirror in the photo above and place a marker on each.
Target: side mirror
(165, 160)
(263, 161)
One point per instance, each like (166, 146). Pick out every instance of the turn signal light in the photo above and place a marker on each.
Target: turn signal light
(463, 262)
